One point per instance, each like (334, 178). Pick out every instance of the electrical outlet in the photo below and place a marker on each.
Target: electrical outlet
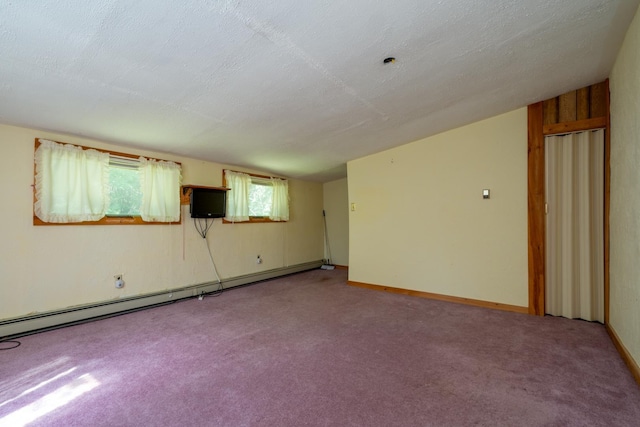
(259, 260)
(118, 282)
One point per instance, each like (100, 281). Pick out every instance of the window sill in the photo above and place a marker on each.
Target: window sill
(252, 220)
(129, 220)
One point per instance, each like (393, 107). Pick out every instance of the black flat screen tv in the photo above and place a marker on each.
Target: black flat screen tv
(208, 203)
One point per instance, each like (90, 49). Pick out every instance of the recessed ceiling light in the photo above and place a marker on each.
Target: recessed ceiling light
(389, 60)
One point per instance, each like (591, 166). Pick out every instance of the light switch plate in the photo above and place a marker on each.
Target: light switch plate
(486, 194)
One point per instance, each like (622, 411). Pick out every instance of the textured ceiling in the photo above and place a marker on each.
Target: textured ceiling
(290, 87)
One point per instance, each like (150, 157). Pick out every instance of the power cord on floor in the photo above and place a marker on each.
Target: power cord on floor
(16, 344)
(203, 231)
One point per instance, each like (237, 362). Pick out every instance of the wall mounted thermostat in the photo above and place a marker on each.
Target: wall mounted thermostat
(485, 193)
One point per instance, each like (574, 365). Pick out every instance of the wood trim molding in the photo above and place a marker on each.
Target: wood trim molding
(440, 297)
(102, 150)
(624, 353)
(342, 267)
(575, 126)
(607, 200)
(536, 201)
(108, 220)
(254, 220)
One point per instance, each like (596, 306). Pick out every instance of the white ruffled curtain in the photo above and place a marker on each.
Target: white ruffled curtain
(238, 197)
(72, 184)
(280, 200)
(160, 183)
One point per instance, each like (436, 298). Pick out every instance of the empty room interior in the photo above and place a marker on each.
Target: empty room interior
(244, 213)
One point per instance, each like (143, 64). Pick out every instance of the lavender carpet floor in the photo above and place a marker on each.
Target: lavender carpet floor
(308, 350)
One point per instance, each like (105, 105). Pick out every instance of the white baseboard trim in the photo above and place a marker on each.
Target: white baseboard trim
(26, 325)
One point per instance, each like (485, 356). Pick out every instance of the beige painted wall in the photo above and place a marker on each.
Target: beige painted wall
(421, 223)
(336, 205)
(52, 267)
(625, 193)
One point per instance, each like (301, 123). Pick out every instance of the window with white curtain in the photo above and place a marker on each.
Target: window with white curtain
(125, 190)
(256, 198)
(71, 183)
(160, 182)
(75, 184)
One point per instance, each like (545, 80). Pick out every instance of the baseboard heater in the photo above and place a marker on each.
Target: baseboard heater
(25, 325)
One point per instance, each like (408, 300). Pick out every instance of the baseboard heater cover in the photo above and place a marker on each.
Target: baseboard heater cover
(26, 325)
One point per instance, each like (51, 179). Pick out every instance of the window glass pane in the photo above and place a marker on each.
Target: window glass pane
(260, 199)
(125, 192)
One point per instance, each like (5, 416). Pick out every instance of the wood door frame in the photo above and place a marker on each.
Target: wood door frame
(536, 202)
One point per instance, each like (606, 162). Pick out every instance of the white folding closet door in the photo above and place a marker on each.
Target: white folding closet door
(574, 225)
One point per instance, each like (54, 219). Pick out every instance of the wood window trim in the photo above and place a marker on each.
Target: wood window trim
(107, 220)
(110, 152)
(252, 219)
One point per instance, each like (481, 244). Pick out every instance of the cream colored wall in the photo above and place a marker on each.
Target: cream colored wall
(52, 267)
(336, 205)
(624, 221)
(420, 221)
